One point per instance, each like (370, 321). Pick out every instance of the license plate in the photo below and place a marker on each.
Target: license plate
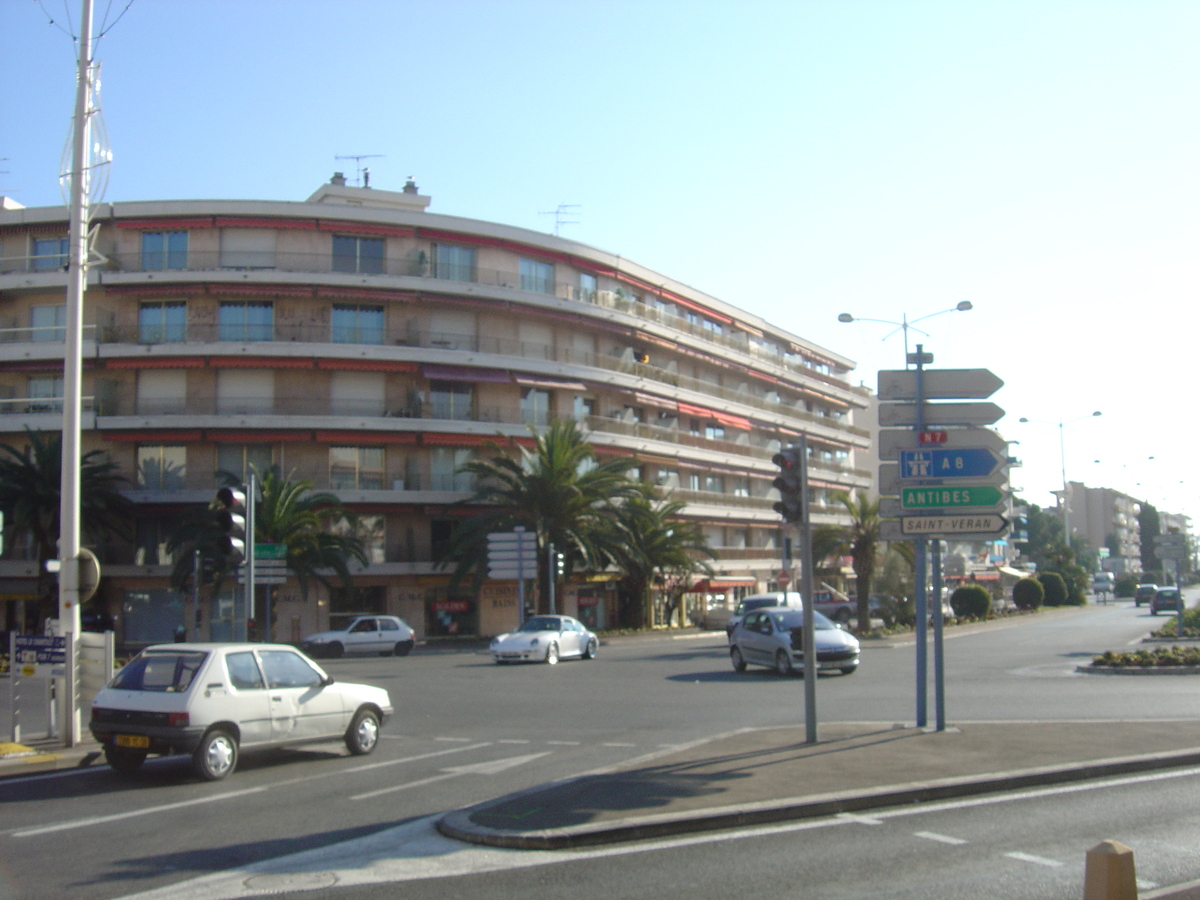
(132, 740)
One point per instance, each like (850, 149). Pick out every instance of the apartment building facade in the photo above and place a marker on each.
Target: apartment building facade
(360, 342)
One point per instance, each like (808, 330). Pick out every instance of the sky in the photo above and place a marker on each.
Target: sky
(796, 159)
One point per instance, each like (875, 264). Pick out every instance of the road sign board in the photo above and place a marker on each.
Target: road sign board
(528, 554)
(1171, 546)
(903, 530)
(890, 482)
(893, 440)
(956, 524)
(982, 498)
(510, 574)
(969, 462)
(938, 414)
(270, 551)
(783, 576)
(510, 537)
(938, 384)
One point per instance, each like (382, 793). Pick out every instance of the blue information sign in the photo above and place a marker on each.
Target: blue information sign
(34, 649)
(968, 462)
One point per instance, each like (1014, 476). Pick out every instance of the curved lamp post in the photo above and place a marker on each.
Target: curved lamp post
(904, 324)
(1062, 454)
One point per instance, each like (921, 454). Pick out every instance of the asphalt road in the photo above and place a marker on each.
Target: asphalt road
(466, 730)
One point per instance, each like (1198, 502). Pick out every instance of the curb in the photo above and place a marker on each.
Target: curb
(1138, 670)
(458, 824)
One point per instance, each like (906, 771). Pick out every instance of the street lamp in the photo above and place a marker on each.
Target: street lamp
(904, 324)
(1062, 454)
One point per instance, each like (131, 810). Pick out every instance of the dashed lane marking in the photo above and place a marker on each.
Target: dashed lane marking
(940, 838)
(1030, 858)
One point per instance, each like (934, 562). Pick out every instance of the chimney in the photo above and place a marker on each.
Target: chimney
(339, 179)
(410, 186)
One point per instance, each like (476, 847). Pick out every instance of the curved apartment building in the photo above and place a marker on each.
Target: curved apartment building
(369, 346)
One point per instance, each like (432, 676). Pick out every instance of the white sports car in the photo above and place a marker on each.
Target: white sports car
(545, 639)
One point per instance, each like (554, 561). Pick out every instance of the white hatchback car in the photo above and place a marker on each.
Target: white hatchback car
(212, 700)
(383, 635)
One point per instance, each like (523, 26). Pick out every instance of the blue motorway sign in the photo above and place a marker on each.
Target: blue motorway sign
(967, 462)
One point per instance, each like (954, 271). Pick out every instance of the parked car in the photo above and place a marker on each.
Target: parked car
(545, 639)
(1166, 600)
(214, 700)
(1144, 593)
(385, 635)
(774, 637)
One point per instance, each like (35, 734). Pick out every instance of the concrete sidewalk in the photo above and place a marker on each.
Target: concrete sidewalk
(771, 775)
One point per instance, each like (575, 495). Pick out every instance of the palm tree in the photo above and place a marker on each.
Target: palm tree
(30, 498)
(861, 543)
(650, 545)
(287, 512)
(558, 491)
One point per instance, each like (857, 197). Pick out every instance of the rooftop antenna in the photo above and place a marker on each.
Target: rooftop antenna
(359, 170)
(561, 215)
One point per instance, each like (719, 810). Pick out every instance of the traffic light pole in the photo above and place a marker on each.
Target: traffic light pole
(251, 502)
(806, 594)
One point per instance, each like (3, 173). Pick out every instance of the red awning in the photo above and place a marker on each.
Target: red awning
(367, 365)
(465, 373)
(718, 584)
(265, 437)
(365, 228)
(245, 222)
(355, 438)
(732, 421)
(260, 362)
(433, 439)
(175, 224)
(156, 362)
(156, 437)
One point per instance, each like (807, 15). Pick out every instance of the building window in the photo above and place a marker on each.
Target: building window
(537, 276)
(714, 484)
(693, 481)
(162, 468)
(535, 406)
(162, 322)
(714, 432)
(587, 287)
(363, 255)
(451, 399)
(356, 468)
(161, 391)
(153, 535)
(50, 253)
(445, 463)
(583, 407)
(164, 250)
(368, 529)
(248, 248)
(246, 321)
(453, 263)
(45, 393)
(153, 617)
(48, 324)
(245, 391)
(357, 324)
(239, 460)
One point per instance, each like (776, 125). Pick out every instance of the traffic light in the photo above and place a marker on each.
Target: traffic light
(560, 565)
(230, 504)
(790, 504)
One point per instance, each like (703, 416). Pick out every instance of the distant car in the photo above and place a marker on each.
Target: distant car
(1103, 583)
(545, 639)
(761, 601)
(384, 635)
(774, 637)
(1165, 600)
(213, 700)
(1144, 593)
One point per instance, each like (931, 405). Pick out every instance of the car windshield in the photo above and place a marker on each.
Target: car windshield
(794, 618)
(541, 623)
(169, 671)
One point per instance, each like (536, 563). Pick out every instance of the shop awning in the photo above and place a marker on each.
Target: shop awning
(547, 382)
(722, 583)
(465, 373)
(367, 365)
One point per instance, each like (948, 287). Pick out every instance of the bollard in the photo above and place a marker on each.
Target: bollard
(1109, 874)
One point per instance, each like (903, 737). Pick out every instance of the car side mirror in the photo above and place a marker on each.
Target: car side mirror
(327, 681)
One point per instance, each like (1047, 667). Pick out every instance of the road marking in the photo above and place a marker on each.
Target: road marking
(461, 740)
(511, 742)
(618, 745)
(395, 762)
(116, 817)
(940, 838)
(1030, 858)
(861, 820)
(484, 768)
(563, 743)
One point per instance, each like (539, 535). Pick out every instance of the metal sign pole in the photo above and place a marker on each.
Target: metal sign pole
(939, 680)
(806, 588)
(920, 574)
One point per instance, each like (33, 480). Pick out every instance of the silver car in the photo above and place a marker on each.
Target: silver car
(366, 635)
(545, 639)
(212, 700)
(774, 637)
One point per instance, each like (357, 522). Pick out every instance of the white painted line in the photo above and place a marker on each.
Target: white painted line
(134, 813)
(484, 768)
(618, 745)
(366, 767)
(1030, 858)
(1143, 885)
(861, 820)
(511, 742)
(563, 743)
(460, 740)
(940, 838)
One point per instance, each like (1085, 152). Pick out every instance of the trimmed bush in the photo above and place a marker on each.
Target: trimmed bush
(1028, 593)
(1125, 586)
(971, 600)
(1055, 588)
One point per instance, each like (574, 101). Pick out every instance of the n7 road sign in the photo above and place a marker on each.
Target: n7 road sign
(892, 441)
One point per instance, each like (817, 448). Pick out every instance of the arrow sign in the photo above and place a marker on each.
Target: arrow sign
(890, 482)
(979, 498)
(892, 441)
(529, 555)
(969, 462)
(988, 525)
(900, 414)
(938, 384)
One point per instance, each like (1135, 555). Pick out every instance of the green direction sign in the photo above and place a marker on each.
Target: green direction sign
(270, 551)
(950, 497)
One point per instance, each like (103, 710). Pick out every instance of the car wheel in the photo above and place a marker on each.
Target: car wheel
(589, 652)
(849, 670)
(552, 654)
(363, 734)
(336, 650)
(124, 761)
(404, 647)
(735, 657)
(843, 617)
(216, 756)
(783, 663)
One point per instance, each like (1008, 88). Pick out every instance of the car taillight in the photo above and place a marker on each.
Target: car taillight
(177, 720)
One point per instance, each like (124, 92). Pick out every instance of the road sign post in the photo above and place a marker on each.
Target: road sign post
(513, 554)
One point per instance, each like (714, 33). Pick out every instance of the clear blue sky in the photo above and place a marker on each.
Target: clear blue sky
(798, 159)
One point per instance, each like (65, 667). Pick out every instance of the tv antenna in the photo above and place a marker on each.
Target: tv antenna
(362, 175)
(561, 215)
